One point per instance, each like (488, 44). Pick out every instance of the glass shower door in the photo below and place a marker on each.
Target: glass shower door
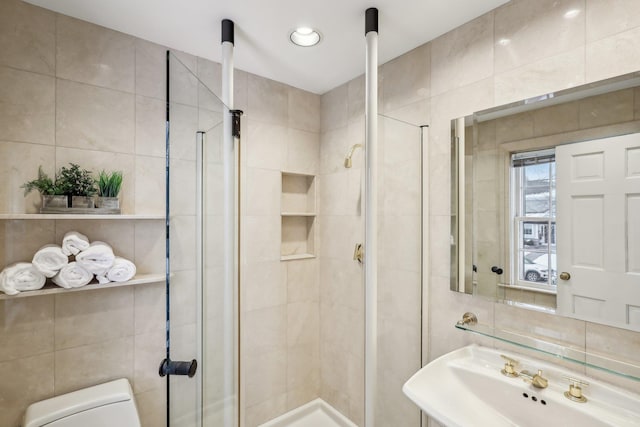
(201, 247)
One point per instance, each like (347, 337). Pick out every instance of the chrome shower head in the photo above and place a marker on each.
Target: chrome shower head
(347, 161)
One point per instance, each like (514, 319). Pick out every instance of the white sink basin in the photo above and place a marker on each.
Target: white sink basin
(465, 388)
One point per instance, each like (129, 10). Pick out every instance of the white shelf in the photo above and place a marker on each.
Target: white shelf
(297, 256)
(298, 214)
(79, 216)
(50, 288)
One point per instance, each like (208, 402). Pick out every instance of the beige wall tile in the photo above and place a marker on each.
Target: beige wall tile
(149, 308)
(151, 65)
(182, 187)
(182, 238)
(303, 369)
(401, 168)
(83, 318)
(182, 402)
(20, 239)
(406, 79)
(95, 55)
(152, 407)
(183, 298)
(607, 17)
(341, 283)
(356, 98)
(150, 127)
(263, 187)
(541, 77)
(334, 109)
(338, 235)
(27, 37)
(182, 131)
(340, 193)
(264, 285)
(556, 119)
(334, 147)
(265, 238)
(265, 411)
(528, 31)
(19, 164)
(303, 152)
(303, 110)
(606, 109)
(399, 294)
(400, 242)
(24, 381)
(27, 110)
(393, 408)
(150, 178)
(463, 55)
(26, 327)
(303, 278)
(150, 246)
(88, 365)
(266, 376)
(265, 330)
(94, 118)
(303, 320)
(183, 83)
(266, 145)
(268, 100)
(210, 75)
(614, 55)
(148, 351)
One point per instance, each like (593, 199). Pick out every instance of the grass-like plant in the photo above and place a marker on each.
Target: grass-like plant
(45, 185)
(109, 184)
(76, 181)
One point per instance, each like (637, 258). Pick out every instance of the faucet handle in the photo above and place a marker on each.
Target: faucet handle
(575, 389)
(509, 366)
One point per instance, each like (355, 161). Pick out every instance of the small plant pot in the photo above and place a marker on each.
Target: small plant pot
(108, 202)
(49, 201)
(82, 202)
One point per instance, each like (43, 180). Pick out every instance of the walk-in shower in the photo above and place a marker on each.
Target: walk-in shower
(370, 319)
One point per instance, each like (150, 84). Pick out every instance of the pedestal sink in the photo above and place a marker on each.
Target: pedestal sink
(466, 388)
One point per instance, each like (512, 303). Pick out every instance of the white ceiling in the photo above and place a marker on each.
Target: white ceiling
(262, 29)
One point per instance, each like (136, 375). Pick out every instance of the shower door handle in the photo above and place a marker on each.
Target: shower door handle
(172, 367)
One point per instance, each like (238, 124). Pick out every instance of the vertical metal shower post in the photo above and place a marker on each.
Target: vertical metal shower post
(371, 217)
(229, 218)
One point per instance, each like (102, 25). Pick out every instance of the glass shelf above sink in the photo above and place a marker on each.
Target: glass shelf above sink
(571, 354)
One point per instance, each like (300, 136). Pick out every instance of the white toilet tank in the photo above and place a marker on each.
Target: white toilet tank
(105, 405)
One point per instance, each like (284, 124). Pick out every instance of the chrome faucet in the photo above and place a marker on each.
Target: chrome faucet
(536, 380)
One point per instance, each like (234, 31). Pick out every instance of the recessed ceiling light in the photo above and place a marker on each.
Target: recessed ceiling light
(504, 42)
(305, 36)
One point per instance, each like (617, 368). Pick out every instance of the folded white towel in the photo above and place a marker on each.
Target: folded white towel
(74, 242)
(49, 260)
(72, 275)
(122, 270)
(97, 259)
(21, 276)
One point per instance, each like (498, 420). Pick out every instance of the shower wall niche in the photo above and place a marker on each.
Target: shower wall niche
(298, 212)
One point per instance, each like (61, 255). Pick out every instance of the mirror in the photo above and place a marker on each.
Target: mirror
(546, 203)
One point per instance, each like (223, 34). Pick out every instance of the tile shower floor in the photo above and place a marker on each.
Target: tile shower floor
(316, 413)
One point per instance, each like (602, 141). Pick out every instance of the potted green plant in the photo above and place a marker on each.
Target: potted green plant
(109, 185)
(78, 184)
(52, 194)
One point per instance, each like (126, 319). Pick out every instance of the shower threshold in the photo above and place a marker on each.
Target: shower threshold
(316, 413)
